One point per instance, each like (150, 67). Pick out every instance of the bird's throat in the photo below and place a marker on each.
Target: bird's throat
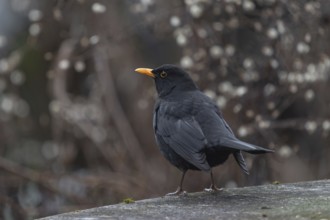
(165, 92)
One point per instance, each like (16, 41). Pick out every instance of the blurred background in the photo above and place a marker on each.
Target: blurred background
(76, 121)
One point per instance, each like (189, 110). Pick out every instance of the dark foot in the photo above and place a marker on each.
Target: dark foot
(178, 192)
(213, 188)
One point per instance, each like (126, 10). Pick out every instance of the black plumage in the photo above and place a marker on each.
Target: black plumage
(189, 128)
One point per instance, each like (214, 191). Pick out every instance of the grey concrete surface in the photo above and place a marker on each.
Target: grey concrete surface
(304, 200)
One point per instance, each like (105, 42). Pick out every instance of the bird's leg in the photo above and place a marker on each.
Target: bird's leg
(179, 190)
(213, 187)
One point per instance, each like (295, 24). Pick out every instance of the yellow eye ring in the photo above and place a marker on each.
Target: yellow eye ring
(163, 74)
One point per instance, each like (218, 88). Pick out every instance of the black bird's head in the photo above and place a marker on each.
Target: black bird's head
(169, 79)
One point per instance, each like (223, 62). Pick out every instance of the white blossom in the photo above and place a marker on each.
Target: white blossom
(175, 21)
(7, 104)
(309, 95)
(269, 89)
(196, 10)
(98, 8)
(280, 27)
(326, 125)
(94, 39)
(264, 124)
(4, 65)
(248, 5)
(35, 29)
(216, 51)
(285, 151)
(79, 66)
(186, 62)
(35, 15)
(210, 93)
(250, 113)
(248, 63)
(302, 47)
(241, 90)
(17, 77)
(310, 126)
(242, 131)
(229, 50)
(267, 51)
(237, 108)
(272, 33)
(147, 2)
(225, 87)
(64, 64)
(221, 101)
(274, 63)
(181, 39)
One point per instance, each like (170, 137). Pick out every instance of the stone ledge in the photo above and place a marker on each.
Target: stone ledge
(304, 200)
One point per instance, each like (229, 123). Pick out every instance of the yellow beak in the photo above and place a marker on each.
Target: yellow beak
(145, 71)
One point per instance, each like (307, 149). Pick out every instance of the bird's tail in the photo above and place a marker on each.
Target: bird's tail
(243, 146)
(241, 162)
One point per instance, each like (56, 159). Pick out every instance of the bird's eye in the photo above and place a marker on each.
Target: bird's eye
(163, 74)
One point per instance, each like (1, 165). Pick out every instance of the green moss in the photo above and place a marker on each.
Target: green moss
(128, 200)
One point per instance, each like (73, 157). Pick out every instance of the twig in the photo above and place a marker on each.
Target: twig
(60, 82)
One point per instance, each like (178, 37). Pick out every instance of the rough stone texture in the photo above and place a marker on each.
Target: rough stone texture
(305, 200)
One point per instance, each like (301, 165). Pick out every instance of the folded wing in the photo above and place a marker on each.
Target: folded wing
(184, 136)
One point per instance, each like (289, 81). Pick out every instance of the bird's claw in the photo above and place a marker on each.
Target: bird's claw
(178, 192)
(213, 188)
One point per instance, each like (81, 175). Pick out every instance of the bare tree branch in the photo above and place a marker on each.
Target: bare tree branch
(60, 68)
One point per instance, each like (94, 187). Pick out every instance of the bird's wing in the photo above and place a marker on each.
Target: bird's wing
(183, 135)
(213, 126)
(219, 134)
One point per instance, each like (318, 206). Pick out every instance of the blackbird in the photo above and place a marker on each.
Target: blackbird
(189, 128)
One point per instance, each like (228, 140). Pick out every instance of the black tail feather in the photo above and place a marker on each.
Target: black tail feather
(241, 162)
(243, 146)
